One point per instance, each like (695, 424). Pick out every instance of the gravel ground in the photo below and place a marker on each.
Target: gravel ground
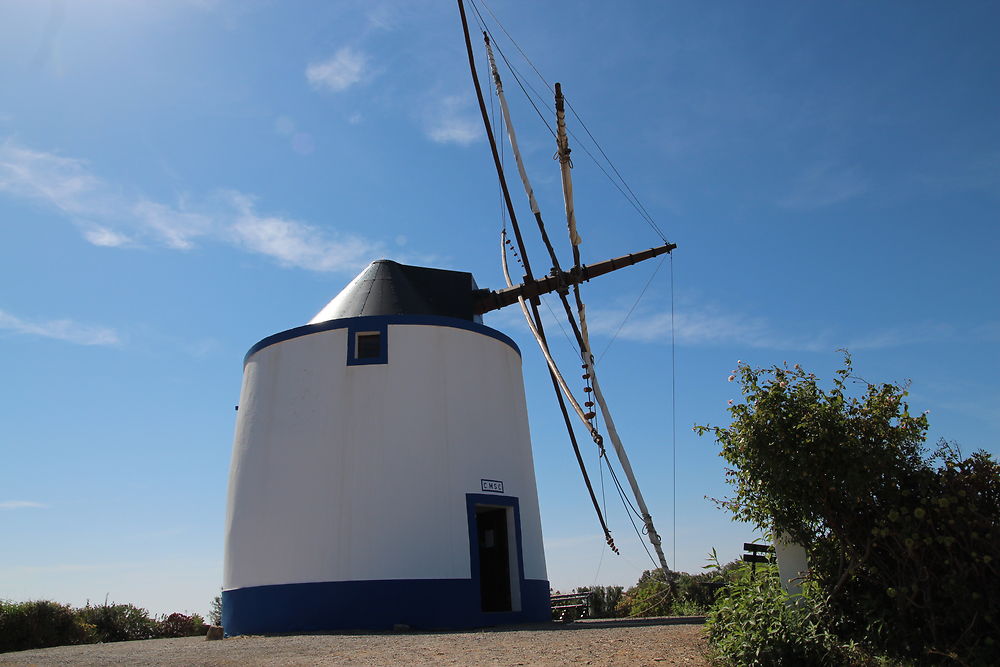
(661, 641)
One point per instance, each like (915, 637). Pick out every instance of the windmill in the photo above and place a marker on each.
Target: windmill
(382, 472)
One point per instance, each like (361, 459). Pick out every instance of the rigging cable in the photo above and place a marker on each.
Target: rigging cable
(642, 209)
(535, 321)
(548, 306)
(621, 325)
(673, 407)
(604, 503)
(503, 209)
(486, 31)
(581, 331)
(625, 501)
(627, 192)
(527, 266)
(565, 165)
(557, 378)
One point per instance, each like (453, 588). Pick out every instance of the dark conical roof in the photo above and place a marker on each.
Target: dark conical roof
(390, 288)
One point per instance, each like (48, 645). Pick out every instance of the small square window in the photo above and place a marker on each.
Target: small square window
(368, 345)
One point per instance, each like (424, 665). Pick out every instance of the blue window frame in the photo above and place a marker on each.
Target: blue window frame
(367, 343)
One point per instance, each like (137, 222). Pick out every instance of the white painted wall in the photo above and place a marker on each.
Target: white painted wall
(793, 563)
(344, 473)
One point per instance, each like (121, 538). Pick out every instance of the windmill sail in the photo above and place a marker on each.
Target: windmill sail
(560, 283)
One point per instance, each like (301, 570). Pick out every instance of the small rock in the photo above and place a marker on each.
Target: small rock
(214, 632)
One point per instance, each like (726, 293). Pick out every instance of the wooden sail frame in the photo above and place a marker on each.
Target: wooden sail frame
(559, 282)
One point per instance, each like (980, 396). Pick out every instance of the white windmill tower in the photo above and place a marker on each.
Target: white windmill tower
(382, 470)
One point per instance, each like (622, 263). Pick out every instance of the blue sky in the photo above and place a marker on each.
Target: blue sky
(181, 179)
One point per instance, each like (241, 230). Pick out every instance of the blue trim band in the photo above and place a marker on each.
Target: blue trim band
(376, 322)
(424, 604)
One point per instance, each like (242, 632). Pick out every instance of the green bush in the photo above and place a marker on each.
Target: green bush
(215, 613)
(754, 623)
(38, 624)
(27, 625)
(652, 595)
(901, 543)
(676, 594)
(119, 622)
(180, 625)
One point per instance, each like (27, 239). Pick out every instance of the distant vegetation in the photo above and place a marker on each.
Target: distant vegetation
(902, 542)
(681, 594)
(41, 623)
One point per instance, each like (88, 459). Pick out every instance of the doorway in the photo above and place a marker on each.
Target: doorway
(494, 558)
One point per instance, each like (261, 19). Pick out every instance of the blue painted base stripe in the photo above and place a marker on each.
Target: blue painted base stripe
(424, 604)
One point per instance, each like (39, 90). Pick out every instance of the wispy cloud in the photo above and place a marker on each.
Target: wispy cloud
(711, 325)
(103, 236)
(450, 121)
(65, 330)
(108, 218)
(705, 325)
(345, 68)
(63, 182)
(301, 142)
(69, 185)
(174, 226)
(961, 172)
(383, 17)
(294, 243)
(824, 184)
(925, 332)
(20, 504)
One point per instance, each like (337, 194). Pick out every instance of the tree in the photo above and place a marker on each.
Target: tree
(215, 613)
(901, 542)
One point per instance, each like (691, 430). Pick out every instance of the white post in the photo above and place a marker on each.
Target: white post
(793, 563)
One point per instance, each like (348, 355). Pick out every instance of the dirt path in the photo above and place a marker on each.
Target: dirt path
(645, 642)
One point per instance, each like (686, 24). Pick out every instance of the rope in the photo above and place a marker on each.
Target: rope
(673, 408)
(493, 118)
(631, 310)
(656, 600)
(559, 322)
(557, 379)
(621, 491)
(512, 41)
(535, 323)
(513, 70)
(638, 204)
(626, 191)
(543, 345)
(624, 498)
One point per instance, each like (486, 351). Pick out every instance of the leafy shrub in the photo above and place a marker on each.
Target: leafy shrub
(119, 622)
(215, 613)
(198, 625)
(38, 624)
(901, 544)
(676, 594)
(27, 625)
(652, 595)
(754, 623)
(180, 625)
